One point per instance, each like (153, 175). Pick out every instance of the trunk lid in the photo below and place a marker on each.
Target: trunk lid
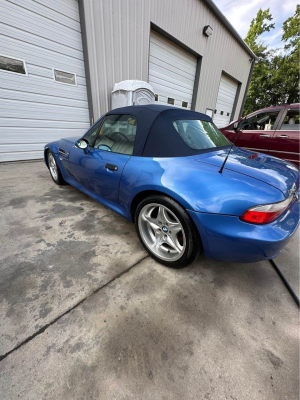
(273, 171)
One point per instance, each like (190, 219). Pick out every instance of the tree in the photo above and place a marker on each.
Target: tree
(259, 26)
(288, 71)
(257, 95)
(275, 78)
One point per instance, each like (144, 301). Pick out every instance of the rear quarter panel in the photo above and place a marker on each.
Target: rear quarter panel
(196, 186)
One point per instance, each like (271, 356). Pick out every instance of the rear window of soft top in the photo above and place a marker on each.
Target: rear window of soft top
(200, 135)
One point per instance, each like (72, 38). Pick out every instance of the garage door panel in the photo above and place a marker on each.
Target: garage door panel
(228, 81)
(15, 136)
(171, 71)
(6, 123)
(21, 156)
(168, 46)
(40, 85)
(41, 111)
(228, 94)
(171, 59)
(157, 70)
(67, 8)
(33, 7)
(228, 89)
(9, 148)
(169, 93)
(225, 101)
(35, 40)
(35, 109)
(37, 98)
(33, 23)
(48, 73)
(46, 58)
(157, 64)
(172, 84)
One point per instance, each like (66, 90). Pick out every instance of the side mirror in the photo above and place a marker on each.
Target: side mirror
(235, 126)
(81, 144)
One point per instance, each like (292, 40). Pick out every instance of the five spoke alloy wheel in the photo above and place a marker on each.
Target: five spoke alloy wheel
(162, 232)
(53, 167)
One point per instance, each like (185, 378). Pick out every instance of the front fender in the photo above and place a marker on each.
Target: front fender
(50, 146)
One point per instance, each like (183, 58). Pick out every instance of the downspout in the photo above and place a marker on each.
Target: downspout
(86, 60)
(247, 86)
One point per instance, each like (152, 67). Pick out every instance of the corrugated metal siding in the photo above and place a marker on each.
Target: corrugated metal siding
(35, 109)
(118, 45)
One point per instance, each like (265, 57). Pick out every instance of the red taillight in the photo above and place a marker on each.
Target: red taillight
(266, 213)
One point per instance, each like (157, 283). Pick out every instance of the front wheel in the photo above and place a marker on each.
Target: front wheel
(166, 231)
(54, 169)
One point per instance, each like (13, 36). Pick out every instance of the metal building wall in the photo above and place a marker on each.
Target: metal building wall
(118, 33)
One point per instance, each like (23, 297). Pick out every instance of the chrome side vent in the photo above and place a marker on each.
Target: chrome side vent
(63, 152)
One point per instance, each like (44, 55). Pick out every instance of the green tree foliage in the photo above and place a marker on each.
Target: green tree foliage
(275, 78)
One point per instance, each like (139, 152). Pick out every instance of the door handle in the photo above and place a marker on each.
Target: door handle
(282, 136)
(264, 135)
(111, 167)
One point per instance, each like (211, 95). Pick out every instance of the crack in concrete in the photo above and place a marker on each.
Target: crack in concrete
(41, 330)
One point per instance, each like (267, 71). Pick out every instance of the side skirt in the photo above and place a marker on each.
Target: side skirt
(113, 206)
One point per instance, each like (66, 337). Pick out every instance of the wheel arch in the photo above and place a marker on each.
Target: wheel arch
(46, 150)
(146, 193)
(51, 147)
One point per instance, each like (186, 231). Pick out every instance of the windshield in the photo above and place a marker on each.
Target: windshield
(200, 135)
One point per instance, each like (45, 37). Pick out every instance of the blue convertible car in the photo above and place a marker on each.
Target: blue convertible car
(163, 168)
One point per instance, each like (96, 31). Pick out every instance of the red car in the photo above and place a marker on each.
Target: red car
(273, 130)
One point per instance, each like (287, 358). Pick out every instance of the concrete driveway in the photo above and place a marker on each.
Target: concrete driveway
(86, 314)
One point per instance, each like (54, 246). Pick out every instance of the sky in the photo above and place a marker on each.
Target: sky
(241, 12)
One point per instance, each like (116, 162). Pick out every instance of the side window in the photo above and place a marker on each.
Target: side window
(291, 121)
(91, 135)
(260, 122)
(117, 134)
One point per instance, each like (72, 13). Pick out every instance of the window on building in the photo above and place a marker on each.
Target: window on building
(12, 65)
(64, 77)
(184, 104)
(171, 101)
(156, 97)
(117, 134)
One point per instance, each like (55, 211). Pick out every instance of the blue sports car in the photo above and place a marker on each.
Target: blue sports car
(163, 168)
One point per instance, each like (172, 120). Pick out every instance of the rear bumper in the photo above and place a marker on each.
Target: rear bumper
(227, 238)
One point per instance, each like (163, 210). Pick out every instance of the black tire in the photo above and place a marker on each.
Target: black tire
(58, 178)
(192, 239)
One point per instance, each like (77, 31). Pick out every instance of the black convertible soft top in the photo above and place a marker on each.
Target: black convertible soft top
(156, 135)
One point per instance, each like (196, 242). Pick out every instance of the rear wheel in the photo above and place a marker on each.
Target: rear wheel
(54, 169)
(166, 231)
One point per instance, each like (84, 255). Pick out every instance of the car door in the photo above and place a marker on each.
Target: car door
(99, 167)
(285, 141)
(257, 130)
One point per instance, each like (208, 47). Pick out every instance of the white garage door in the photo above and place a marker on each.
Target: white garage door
(171, 72)
(42, 79)
(225, 101)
